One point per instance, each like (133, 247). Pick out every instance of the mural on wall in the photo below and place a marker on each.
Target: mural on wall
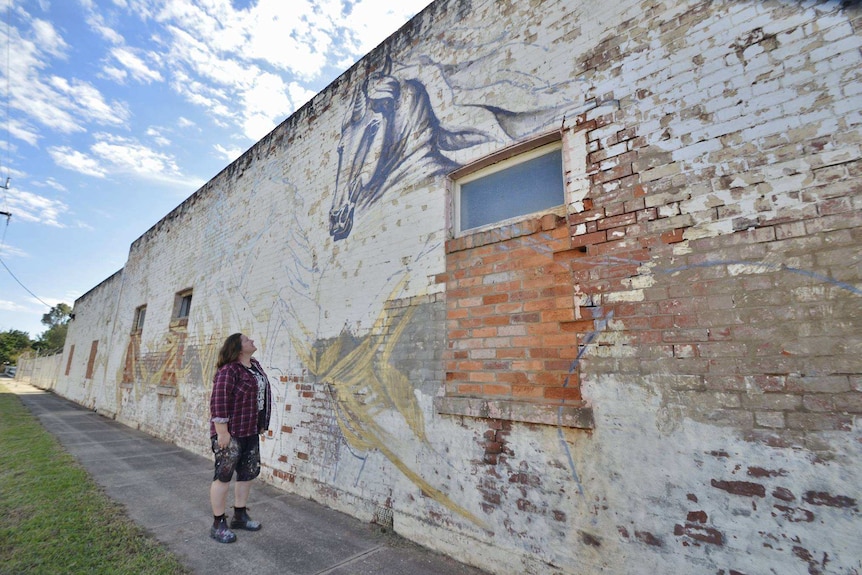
(172, 363)
(390, 131)
(363, 385)
(392, 128)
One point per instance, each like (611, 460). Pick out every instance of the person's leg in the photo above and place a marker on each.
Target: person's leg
(225, 464)
(241, 520)
(218, 499)
(241, 489)
(218, 496)
(247, 469)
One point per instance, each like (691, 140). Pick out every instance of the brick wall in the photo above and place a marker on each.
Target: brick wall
(663, 375)
(512, 330)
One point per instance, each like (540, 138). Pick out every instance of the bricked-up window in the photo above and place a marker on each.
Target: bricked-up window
(133, 357)
(183, 304)
(91, 362)
(69, 361)
(140, 316)
(513, 331)
(518, 183)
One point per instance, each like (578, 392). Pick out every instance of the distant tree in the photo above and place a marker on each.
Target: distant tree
(54, 338)
(12, 343)
(59, 315)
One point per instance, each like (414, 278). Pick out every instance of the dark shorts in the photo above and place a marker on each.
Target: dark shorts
(242, 455)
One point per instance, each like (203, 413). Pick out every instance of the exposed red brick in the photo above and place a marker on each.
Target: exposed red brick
(589, 239)
(699, 533)
(672, 237)
(745, 488)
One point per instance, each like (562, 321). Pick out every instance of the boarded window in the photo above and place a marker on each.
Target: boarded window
(69, 360)
(94, 347)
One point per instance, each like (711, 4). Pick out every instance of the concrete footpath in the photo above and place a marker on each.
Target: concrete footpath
(165, 489)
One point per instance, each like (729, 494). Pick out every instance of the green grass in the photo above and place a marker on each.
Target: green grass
(54, 519)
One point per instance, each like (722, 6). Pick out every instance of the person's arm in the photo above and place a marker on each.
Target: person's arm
(222, 433)
(220, 405)
(267, 402)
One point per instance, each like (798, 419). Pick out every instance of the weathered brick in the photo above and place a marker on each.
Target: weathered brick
(700, 280)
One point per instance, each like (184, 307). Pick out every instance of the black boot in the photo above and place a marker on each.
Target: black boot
(241, 520)
(220, 532)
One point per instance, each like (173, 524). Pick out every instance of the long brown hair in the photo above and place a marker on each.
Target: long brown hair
(230, 350)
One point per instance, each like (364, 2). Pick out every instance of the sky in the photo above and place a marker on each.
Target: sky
(115, 111)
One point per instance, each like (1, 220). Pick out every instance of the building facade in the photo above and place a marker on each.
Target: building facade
(553, 287)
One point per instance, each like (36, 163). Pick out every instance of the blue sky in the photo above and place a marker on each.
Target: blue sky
(115, 111)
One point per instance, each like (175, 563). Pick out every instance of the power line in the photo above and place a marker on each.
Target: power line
(3, 243)
(22, 285)
(5, 186)
(8, 87)
(8, 142)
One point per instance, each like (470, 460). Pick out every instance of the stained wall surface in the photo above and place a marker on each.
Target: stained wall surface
(661, 375)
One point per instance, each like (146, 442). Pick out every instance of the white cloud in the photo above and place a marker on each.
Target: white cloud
(42, 300)
(229, 154)
(252, 67)
(117, 155)
(97, 24)
(7, 305)
(32, 207)
(22, 131)
(48, 183)
(88, 103)
(48, 40)
(248, 69)
(202, 95)
(129, 156)
(66, 157)
(299, 95)
(62, 104)
(136, 66)
(8, 251)
(157, 137)
(115, 74)
(293, 37)
(52, 183)
(370, 22)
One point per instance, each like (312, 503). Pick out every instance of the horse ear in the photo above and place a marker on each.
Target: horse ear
(451, 141)
(383, 88)
(357, 106)
(387, 65)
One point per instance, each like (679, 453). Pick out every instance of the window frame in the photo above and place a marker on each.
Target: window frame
(502, 160)
(179, 299)
(139, 319)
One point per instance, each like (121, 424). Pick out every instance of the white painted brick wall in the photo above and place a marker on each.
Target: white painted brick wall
(619, 499)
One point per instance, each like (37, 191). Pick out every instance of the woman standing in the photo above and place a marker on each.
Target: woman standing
(240, 409)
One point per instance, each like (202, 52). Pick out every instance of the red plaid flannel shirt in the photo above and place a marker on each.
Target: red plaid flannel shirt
(234, 400)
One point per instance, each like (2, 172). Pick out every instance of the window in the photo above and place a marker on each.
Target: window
(517, 182)
(183, 304)
(140, 315)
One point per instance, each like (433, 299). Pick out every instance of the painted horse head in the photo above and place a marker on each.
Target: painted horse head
(389, 132)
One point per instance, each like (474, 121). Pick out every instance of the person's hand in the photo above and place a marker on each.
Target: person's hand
(223, 440)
